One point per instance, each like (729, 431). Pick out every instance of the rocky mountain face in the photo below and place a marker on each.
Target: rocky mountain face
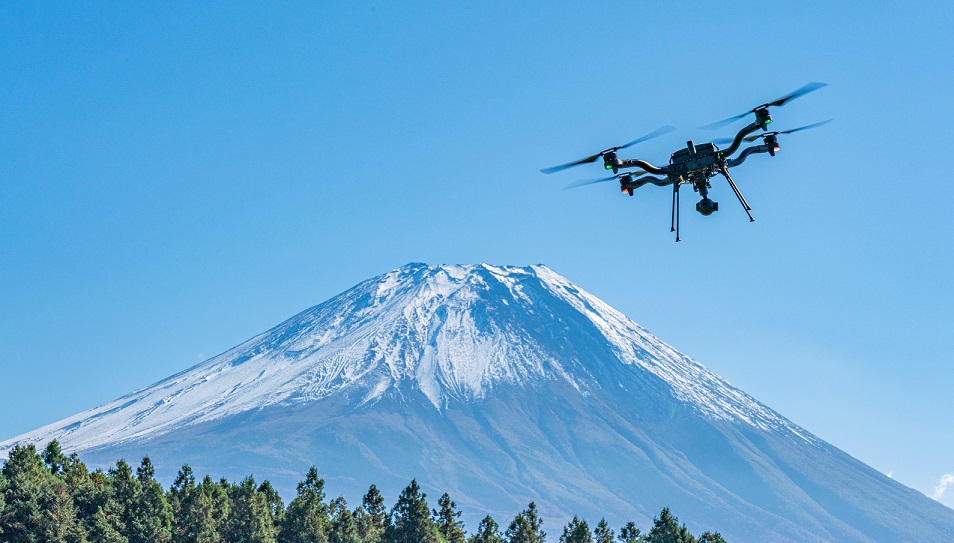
(501, 385)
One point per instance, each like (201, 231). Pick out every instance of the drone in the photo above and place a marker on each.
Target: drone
(696, 164)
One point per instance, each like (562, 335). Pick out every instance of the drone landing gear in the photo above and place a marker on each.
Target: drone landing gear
(738, 193)
(675, 209)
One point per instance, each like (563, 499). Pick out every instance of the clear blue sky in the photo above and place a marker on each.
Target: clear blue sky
(176, 178)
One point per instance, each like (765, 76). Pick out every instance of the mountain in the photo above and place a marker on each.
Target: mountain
(501, 385)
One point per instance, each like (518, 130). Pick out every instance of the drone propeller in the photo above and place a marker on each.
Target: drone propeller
(585, 182)
(655, 134)
(775, 103)
(757, 136)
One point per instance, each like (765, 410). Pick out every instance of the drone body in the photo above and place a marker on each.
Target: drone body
(696, 164)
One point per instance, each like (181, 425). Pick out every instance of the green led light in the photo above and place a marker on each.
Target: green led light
(767, 121)
(609, 166)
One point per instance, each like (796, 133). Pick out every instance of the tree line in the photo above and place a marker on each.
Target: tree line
(50, 497)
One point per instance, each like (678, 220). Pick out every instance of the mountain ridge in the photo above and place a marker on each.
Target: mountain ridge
(503, 384)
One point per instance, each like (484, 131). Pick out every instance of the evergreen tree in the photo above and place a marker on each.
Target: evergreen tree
(446, 517)
(306, 520)
(102, 528)
(410, 519)
(199, 511)
(151, 514)
(38, 504)
(3, 502)
(275, 504)
(487, 532)
(250, 518)
(603, 533)
(526, 527)
(576, 531)
(666, 529)
(371, 516)
(124, 492)
(631, 534)
(711, 537)
(54, 458)
(344, 529)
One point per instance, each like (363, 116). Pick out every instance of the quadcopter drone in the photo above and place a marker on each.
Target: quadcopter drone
(697, 163)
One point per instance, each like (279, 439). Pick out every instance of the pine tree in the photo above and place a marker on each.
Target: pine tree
(306, 519)
(199, 511)
(102, 528)
(449, 527)
(371, 516)
(666, 529)
(250, 518)
(526, 527)
(54, 458)
(711, 537)
(3, 502)
(410, 519)
(38, 504)
(125, 493)
(631, 534)
(275, 505)
(344, 529)
(487, 532)
(576, 531)
(603, 533)
(151, 513)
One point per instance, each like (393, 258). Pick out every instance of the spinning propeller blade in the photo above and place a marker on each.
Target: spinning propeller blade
(585, 182)
(813, 86)
(655, 134)
(754, 137)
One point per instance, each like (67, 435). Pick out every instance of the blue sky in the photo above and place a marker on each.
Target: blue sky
(177, 178)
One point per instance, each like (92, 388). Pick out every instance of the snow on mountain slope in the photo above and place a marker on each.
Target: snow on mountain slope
(501, 385)
(453, 332)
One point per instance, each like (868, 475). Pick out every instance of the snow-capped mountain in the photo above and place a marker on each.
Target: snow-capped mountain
(502, 385)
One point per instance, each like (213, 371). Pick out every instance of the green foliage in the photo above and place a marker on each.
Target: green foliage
(3, 501)
(150, 515)
(526, 527)
(38, 505)
(276, 507)
(576, 531)
(631, 534)
(666, 529)
(410, 519)
(603, 533)
(487, 532)
(54, 458)
(54, 498)
(371, 516)
(250, 517)
(344, 528)
(306, 520)
(451, 529)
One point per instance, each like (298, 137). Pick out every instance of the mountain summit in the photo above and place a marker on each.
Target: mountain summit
(502, 385)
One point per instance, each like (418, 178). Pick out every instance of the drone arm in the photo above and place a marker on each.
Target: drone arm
(737, 142)
(732, 163)
(636, 163)
(646, 179)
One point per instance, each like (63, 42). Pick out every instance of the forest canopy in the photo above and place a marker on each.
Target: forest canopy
(50, 497)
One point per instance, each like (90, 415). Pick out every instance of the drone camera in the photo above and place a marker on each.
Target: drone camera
(707, 207)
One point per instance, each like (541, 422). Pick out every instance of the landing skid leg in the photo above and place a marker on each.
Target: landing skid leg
(738, 193)
(675, 188)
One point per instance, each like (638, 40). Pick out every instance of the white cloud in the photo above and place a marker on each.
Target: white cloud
(946, 480)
